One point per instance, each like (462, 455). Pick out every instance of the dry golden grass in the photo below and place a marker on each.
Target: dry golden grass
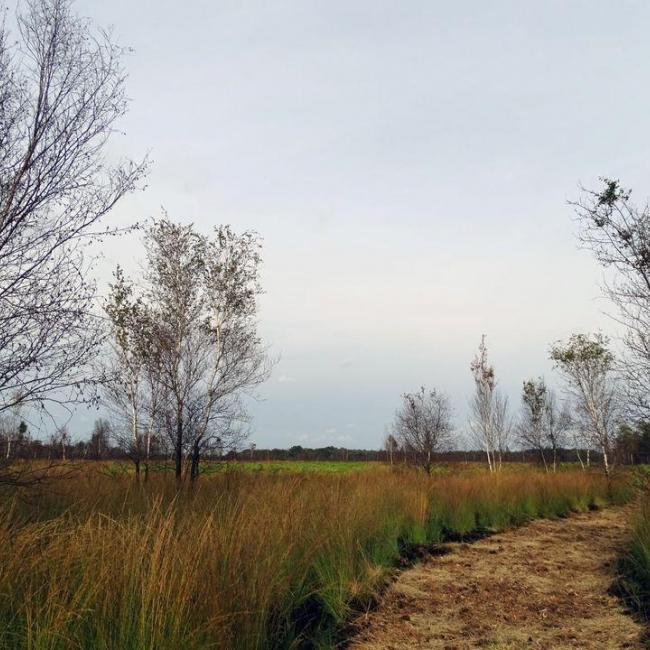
(241, 560)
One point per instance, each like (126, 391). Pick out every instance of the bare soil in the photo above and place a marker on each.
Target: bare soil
(545, 585)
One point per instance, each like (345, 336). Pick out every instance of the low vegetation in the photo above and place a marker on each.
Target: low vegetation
(241, 559)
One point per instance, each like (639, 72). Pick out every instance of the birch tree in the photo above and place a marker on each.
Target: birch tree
(100, 438)
(617, 231)
(588, 368)
(531, 423)
(543, 423)
(202, 351)
(62, 90)
(391, 446)
(130, 387)
(13, 431)
(557, 425)
(489, 419)
(423, 425)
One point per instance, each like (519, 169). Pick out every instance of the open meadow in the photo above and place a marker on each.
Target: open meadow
(244, 559)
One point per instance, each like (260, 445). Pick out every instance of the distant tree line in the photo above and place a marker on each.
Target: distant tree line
(16, 442)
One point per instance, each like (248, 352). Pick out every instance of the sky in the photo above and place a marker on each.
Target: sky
(408, 166)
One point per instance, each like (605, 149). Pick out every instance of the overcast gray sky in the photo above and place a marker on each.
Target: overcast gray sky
(408, 166)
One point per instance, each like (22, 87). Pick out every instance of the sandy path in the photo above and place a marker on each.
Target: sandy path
(541, 586)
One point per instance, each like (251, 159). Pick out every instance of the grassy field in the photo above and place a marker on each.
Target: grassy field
(245, 559)
(272, 466)
(295, 466)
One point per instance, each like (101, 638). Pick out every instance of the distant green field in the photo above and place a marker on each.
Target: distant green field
(254, 467)
(293, 466)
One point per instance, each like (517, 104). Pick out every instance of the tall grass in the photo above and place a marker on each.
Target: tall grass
(242, 560)
(633, 582)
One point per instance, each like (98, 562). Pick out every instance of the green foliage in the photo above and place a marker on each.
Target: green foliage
(534, 397)
(583, 349)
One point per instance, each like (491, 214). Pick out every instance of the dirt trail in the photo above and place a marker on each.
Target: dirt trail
(544, 585)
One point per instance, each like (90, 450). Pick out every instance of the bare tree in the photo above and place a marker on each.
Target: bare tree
(100, 438)
(423, 425)
(502, 426)
(618, 233)
(60, 440)
(588, 367)
(61, 92)
(391, 446)
(13, 433)
(198, 320)
(489, 421)
(557, 424)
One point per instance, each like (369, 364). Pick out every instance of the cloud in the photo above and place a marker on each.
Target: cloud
(286, 379)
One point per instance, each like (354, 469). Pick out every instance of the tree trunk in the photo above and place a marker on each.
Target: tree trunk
(605, 461)
(147, 456)
(194, 467)
(541, 453)
(580, 458)
(179, 446)
(489, 459)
